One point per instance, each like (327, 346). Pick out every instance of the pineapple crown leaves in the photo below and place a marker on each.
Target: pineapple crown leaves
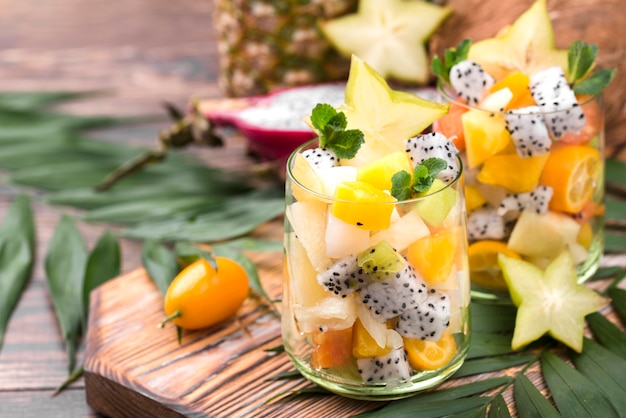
(452, 56)
(330, 126)
(403, 188)
(580, 61)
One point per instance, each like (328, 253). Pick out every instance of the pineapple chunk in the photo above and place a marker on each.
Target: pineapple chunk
(363, 205)
(380, 172)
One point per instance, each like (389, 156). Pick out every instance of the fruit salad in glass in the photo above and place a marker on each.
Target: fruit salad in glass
(528, 121)
(376, 288)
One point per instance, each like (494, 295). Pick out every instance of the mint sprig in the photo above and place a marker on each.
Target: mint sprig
(580, 62)
(330, 126)
(424, 174)
(452, 56)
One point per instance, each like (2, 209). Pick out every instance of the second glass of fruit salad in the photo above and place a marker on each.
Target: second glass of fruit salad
(376, 291)
(531, 135)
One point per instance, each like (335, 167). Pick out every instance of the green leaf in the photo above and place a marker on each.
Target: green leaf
(605, 369)
(452, 56)
(401, 185)
(491, 364)
(485, 344)
(492, 318)
(618, 300)
(615, 209)
(530, 402)
(103, 264)
(187, 253)
(461, 391)
(614, 242)
(425, 172)
(615, 171)
(331, 128)
(580, 59)
(427, 409)
(573, 393)
(607, 334)
(17, 242)
(160, 263)
(65, 270)
(499, 408)
(596, 82)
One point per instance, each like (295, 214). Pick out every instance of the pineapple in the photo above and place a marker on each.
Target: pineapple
(266, 44)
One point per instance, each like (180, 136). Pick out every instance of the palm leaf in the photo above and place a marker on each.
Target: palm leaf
(499, 409)
(618, 298)
(607, 334)
(530, 402)
(573, 393)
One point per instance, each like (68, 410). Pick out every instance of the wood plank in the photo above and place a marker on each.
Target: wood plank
(40, 403)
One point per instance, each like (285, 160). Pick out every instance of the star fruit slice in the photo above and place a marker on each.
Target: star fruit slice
(550, 301)
(386, 117)
(390, 35)
(527, 46)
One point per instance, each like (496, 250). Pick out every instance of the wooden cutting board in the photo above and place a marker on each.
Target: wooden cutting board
(134, 369)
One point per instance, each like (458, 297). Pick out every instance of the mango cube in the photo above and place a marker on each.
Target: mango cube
(363, 205)
(380, 172)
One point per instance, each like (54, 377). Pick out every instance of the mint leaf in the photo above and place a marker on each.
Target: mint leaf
(426, 172)
(401, 186)
(330, 126)
(595, 83)
(580, 59)
(321, 114)
(451, 57)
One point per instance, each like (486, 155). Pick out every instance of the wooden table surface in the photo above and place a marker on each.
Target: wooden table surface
(146, 52)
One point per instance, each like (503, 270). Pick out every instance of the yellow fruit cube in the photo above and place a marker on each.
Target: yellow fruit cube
(485, 135)
(363, 205)
(363, 344)
(380, 172)
(517, 174)
(433, 256)
(473, 198)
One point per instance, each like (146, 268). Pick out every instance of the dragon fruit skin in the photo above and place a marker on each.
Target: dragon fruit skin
(529, 131)
(391, 368)
(434, 145)
(343, 277)
(557, 100)
(389, 298)
(428, 320)
(485, 223)
(321, 158)
(470, 81)
(536, 200)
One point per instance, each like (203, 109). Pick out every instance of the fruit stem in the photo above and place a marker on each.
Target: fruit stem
(173, 315)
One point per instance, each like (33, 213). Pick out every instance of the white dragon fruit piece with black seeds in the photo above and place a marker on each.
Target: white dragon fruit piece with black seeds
(470, 81)
(485, 223)
(391, 368)
(389, 298)
(321, 158)
(536, 200)
(557, 100)
(529, 131)
(429, 320)
(343, 277)
(434, 145)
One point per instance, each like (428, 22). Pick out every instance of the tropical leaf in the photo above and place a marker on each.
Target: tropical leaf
(490, 364)
(618, 300)
(499, 409)
(530, 402)
(103, 264)
(615, 171)
(488, 344)
(463, 406)
(17, 245)
(607, 334)
(65, 269)
(492, 318)
(573, 393)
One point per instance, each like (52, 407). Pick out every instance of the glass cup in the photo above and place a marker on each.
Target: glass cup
(499, 181)
(377, 313)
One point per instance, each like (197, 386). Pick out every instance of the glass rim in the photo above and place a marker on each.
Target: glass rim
(330, 199)
(448, 94)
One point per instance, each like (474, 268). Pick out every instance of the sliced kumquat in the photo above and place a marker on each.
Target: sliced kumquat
(430, 355)
(518, 83)
(331, 348)
(572, 171)
(483, 262)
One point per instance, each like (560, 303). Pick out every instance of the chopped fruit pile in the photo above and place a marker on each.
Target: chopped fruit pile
(375, 249)
(532, 140)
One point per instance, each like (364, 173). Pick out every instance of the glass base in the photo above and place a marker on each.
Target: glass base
(358, 390)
